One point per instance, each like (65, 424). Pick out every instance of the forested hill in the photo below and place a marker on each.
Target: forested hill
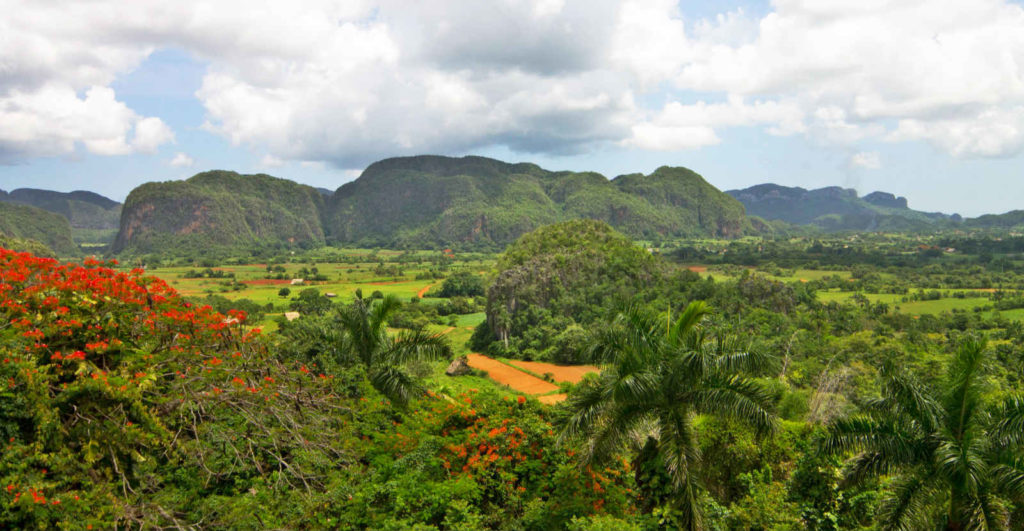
(220, 210)
(29, 228)
(476, 202)
(84, 210)
(834, 209)
(421, 202)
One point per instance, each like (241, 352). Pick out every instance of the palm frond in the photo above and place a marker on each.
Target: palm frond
(906, 508)
(1009, 429)
(862, 433)
(905, 395)
(737, 398)
(394, 383)
(1008, 476)
(964, 376)
(415, 345)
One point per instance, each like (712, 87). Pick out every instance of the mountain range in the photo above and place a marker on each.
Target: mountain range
(83, 210)
(421, 202)
(469, 203)
(838, 209)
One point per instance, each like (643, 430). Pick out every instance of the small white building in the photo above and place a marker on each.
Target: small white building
(298, 282)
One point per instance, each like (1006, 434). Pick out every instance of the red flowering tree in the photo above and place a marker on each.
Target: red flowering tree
(112, 380)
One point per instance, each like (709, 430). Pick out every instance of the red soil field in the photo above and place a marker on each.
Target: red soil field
(516, 379)
(562, 373)
(697, 269)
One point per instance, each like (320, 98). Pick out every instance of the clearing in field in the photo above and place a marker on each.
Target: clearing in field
(510, 376)
(561, 373)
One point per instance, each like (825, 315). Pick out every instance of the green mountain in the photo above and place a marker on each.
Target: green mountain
(476, 202)
(838, 209)
(22, 222)
(220, 210)
(84, 210)
(1013, 219)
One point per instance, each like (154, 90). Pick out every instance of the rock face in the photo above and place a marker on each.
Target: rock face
(459, 367)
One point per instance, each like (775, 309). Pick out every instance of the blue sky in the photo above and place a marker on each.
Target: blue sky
(874, 95)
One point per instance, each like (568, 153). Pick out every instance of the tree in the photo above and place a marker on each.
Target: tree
(956, 458)
(284, 292)
(657, 376)
(365, 334)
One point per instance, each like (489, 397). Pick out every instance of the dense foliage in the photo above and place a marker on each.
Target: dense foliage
(825, 381)
(555, 280)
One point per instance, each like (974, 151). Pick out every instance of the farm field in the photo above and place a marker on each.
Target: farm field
(406, 275)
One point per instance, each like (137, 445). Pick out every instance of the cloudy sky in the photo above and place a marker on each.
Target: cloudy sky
(923, 98)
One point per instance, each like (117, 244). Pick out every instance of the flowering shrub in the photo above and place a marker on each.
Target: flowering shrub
(499, 455)
(110, 377)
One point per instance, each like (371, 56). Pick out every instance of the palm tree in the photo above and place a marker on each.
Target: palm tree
(955, 458)
(365, 335)
(657, 376)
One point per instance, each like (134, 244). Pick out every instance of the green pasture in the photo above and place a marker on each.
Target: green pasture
(895, 301)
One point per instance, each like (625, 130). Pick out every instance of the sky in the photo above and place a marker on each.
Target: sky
(921, 98)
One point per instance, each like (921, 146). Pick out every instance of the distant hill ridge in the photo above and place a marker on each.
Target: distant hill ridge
(82, 209)
(426, 202)
(836, 209)
(22, 223)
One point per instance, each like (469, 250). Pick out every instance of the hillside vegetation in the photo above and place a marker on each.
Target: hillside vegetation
(84, 210)
(419, 202)
(220, 210)
(476, 202)
(29, 223)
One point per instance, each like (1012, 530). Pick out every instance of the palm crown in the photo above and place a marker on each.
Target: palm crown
(658, 375)
(365, 335)
(955, 458)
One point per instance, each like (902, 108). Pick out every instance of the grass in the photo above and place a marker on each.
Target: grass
(343, 280)
(895, 301)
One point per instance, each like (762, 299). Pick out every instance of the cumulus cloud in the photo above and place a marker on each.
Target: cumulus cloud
(182, 160)
(347, 82)
(869, 160)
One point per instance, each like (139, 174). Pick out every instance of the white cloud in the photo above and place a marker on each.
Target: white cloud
(347, 82)
(869, 160)
(270, 161)
(949, 72)
(182, 160)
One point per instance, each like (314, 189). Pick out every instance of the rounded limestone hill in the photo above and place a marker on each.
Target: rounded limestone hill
(558, 279)
(220, 210)
(480, 203)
